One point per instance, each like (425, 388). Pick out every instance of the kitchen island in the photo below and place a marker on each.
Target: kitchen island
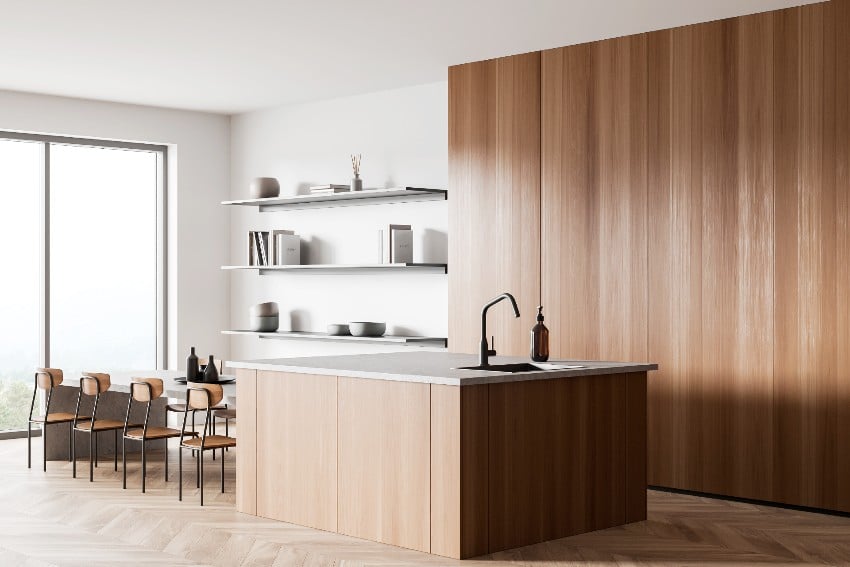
(409, 449)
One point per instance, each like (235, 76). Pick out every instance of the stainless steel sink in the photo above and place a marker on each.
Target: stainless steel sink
(520, 367)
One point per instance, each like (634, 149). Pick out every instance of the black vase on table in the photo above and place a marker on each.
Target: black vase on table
(192, 374)
(211, 372)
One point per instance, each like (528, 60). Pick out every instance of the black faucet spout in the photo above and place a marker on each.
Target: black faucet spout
(486, 350)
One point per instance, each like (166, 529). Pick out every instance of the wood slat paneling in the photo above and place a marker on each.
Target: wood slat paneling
(695, 213)
(297, 448)
(494, 203)
(594, 181)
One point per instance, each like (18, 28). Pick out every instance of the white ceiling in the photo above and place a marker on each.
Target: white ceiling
(233, 56)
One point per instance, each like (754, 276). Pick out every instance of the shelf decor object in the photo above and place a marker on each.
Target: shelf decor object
(344, 199)
(439, 342)
(264, 187)
(356, 182)
(346, 268)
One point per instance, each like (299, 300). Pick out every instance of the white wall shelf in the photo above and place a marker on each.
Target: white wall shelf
(346, 268)
(305, 335)
(347, 199)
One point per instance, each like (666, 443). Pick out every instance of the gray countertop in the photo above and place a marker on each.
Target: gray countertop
(434, 367)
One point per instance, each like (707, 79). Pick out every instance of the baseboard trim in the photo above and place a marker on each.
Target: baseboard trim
(753, 501)
(18, 434)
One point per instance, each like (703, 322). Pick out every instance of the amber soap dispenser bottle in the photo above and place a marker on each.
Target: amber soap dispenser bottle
(539, 339)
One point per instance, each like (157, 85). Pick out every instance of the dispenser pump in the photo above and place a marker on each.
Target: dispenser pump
(539, 339)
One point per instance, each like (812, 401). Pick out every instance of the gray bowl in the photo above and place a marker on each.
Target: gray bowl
(264, 187)
(265, 324)
(338, 330)
(367, 329)
(268, 309)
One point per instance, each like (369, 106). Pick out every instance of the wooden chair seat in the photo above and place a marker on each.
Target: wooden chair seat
(101, 425)
(182, 407)
(224, 413)
(155, 433)
(57, 417)
(211, 442)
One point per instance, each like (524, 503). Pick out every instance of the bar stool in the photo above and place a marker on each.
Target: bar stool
(46, 379)
(145, 390)
(203, 397)
(93, 384)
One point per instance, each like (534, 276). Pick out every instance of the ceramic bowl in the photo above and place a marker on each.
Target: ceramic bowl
(268, 309)
(264, 187)
(265, 324)
(338, 329)
(367, 329)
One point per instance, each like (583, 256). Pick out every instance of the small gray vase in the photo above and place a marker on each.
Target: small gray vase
(356, 183)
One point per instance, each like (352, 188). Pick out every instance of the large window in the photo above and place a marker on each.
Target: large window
(83, 251)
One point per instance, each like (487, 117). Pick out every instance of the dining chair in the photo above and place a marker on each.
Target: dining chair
(181, 408)
(93, 385)
(203, 397)
(46, 379)
(145, 391)
(226, 415)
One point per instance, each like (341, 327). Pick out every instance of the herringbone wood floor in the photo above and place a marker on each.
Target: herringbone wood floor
(51, 519)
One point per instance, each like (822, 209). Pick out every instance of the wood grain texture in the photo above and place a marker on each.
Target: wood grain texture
(557, 454)
(445, 471)
(494, 199)
(384, 461)
(474, 470)
(695, 213)
(635, 450)
(594, 181)
(297, 448)
(246, 457)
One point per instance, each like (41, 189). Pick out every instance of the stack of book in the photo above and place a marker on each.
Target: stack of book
(273, 248)
(329, 189)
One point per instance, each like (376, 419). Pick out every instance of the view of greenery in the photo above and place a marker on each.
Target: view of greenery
(16, 396)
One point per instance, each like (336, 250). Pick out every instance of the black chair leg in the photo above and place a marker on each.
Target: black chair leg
(94, 441)
(144, 465)
(44, 443)
(92, 449)
(198, 470)
(201, 483)
(222, 471)
(29, 445)
(124, 459)
(166, 459)
(74, 451)
(115, 448)
(70, 434)
(180, 474)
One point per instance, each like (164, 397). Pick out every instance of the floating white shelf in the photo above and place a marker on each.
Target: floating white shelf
(305, 335)
(345, 268)
(347, 199)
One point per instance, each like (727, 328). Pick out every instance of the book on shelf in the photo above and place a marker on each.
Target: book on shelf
(396, 244)
(258, 248)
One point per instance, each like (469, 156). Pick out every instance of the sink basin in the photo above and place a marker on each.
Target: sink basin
(520, 367)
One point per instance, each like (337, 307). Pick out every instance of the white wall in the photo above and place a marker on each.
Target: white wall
(198, 225)
(403, 138)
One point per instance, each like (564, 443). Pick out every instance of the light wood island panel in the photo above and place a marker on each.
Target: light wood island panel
(297, 448)
(246, 457)
(384, 461)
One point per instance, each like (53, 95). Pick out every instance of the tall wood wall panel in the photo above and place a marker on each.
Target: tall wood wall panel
(494, 206)
(695, 212)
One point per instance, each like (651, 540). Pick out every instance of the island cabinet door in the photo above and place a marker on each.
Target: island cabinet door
(384, 461)
(297, 449)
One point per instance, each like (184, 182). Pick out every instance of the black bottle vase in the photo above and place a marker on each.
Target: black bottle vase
(211, 372)
(192, 367)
